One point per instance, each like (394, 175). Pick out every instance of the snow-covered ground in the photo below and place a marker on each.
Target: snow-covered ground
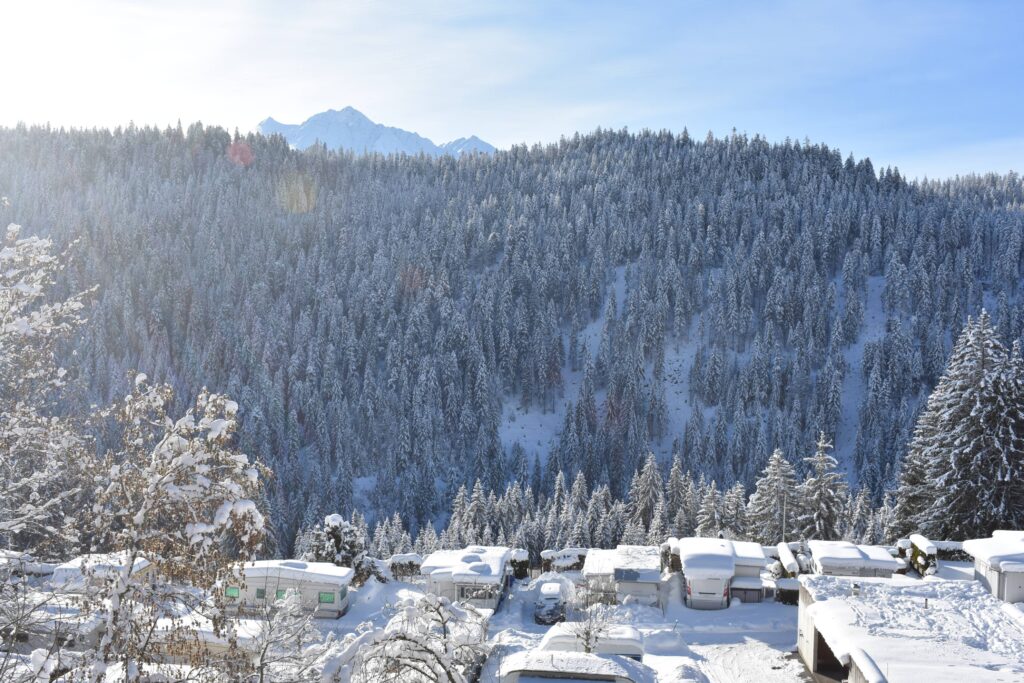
(735, 645)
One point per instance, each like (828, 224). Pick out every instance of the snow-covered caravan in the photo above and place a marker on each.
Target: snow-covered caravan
(90, 571)
(715, 569)
(902, 630)
(621, 640)
(630, 573)
(842, 558)
(477, 575)
(322, 586)
(999, 563)
(535, 666)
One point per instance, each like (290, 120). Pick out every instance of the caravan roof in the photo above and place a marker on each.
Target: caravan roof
(475, 564)
(1003, 551)
(848, 555)
(297, 570)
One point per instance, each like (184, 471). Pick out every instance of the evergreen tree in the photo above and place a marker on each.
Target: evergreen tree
(822, 495)
(774, 508)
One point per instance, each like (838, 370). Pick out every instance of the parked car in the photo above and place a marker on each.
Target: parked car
(550, 605)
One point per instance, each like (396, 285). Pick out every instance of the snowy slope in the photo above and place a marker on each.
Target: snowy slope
(351, 130)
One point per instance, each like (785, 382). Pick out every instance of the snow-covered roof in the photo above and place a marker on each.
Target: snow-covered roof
(405, 558)
(625, 563)
(616, 639)
(963, 634)
(748, 554)
(832, 554)
(575, 666)
(100, 565)
(748, 582)
(788, 559)
(475, 564)
(923, 544)
(1004, 551)
(297, 570)
(24, 563)
(706, 558)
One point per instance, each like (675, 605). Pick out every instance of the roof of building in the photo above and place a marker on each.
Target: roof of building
(99, 565)
(846, 554)
(475, 564)
(574, 666)
(1004, 551)
(884, 625)
(626, 563)
(297, 570)
(616, 639)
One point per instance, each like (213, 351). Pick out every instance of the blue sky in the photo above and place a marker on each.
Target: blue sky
(936, 88)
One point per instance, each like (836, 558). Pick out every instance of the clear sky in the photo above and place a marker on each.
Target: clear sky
(936, 88)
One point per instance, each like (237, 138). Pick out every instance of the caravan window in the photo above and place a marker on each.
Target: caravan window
(279, 595)
(326, 598)
(231, 591)
(476, 592)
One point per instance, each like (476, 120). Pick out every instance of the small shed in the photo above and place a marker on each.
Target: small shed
(999, 563)
(629, 573)
(842, 558)
(322, 586)
(476, 575)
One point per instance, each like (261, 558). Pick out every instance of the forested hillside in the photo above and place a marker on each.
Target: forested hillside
(388, 325)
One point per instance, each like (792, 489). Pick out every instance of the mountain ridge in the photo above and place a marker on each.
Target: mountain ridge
(349, 129)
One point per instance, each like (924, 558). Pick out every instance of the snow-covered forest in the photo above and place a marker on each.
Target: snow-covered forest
(416, 325)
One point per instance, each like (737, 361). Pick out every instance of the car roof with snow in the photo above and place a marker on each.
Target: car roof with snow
(475, 564)
(963, 634)
(297, 570)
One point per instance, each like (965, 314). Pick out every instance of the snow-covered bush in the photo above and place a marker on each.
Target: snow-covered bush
(343, 543)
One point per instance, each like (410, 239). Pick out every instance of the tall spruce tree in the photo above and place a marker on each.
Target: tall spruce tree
(823, 495)
(774, 507)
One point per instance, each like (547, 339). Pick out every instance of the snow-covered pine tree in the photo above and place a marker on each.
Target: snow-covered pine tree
(822, 495)
(774, 508)
(970, 440)
(709, 516)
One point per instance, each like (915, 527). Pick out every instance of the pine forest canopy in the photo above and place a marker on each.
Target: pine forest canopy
(378, 318)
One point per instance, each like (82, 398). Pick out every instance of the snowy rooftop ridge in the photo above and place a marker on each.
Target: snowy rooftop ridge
(297, 570)
(1004, 550)
(475, 564)
(964, 634)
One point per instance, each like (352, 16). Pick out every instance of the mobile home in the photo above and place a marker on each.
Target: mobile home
(322, 586)
(716, 569)
(477, 575)
(629, 573)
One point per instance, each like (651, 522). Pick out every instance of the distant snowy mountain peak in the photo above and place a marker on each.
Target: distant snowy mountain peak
(352, 130)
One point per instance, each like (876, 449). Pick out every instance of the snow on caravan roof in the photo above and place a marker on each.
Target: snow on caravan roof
(748, 554)
(625, 563)
(963, 635)
(298, 571)
(707, 558)
(101, 566)
(573, 666)
(1002, 551)
(846, 554)
(475, 564)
